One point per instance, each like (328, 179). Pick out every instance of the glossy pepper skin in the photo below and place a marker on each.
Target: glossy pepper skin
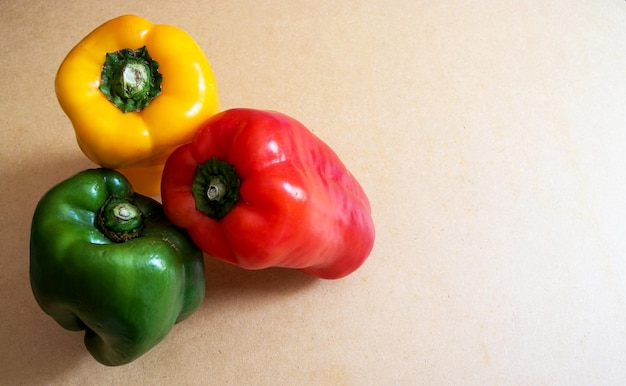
(257, 189)
(126, 295)
(167, 95)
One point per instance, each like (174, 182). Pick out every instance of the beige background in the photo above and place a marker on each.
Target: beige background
(489, 136)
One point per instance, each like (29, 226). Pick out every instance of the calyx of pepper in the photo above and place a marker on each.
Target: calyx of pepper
(215, 188)
(130, 79)
(119, 219)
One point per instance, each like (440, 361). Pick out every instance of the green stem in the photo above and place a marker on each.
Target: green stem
(130, 79)
(119, 220)
(215, 188)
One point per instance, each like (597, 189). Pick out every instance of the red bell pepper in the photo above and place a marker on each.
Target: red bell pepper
(257, 189)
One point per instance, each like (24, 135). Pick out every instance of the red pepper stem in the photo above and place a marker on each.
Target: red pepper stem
(215, 188)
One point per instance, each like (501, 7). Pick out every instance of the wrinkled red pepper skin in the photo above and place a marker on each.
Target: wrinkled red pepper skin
(299, 207)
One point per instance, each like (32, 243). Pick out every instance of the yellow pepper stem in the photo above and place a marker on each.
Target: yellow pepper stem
(130, 79)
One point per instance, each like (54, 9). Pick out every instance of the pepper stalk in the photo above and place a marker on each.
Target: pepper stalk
(130, 79)
(215, 188)
(119, 220)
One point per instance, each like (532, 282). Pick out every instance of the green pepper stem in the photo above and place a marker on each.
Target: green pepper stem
(119, 220)
(130, 79)
(215, 188)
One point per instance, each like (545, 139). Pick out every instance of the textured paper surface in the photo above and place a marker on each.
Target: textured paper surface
(488, 135)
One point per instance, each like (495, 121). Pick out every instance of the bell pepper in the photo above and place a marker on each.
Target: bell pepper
(106, 260)
(134, 91)
(258, 189)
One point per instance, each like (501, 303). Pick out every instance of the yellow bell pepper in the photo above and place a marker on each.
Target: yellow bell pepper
(134, 91)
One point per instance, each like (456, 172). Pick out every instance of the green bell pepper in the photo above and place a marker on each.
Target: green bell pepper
(106, 260)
